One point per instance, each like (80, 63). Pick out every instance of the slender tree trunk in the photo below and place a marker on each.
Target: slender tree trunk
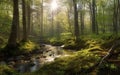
(82, 20)
(119, 13)
(103, 21)
(93, 17)
(28, 17)
(115, 18)
(25, 37)
(76, 26)
(96, 23)
(41, 24)
(69, 21)
(52, 25)
(12, 41)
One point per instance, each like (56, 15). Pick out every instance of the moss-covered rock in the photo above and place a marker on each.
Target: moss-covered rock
(71, 44)
(27, 47)
(5, 70)
(21, 48)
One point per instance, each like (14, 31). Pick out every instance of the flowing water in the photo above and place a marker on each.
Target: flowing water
(49, 54)
(32, 63)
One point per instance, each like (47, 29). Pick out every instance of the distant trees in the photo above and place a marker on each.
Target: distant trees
(116, 14)
(80, 17)
(41, 18)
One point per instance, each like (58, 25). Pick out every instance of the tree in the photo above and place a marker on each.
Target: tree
(25, 36)
(81, 13)
(28, 16)
(76, 26)
(12, 41)
(41, 24)
(93, 17)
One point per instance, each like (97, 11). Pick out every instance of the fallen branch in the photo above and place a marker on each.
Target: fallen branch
(110, 52)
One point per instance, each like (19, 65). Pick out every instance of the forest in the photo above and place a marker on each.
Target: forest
(59, 37)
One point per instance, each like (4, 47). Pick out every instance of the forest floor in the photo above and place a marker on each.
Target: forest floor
(95, 57)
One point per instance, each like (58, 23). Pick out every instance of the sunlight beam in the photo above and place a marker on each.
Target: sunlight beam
(54, 5)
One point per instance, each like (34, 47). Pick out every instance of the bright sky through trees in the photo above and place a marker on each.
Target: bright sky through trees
(54, 5)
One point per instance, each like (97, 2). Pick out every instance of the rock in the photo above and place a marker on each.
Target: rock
(44, 56)
(42, 45)
(11, 63)
(20, 57)
(11, 59)
(2, 63)
(38, 57)
(31, 64)
(62, 46)
(11, 66)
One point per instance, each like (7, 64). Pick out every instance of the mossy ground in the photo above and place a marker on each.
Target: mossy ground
(83, 61)
(21, 48)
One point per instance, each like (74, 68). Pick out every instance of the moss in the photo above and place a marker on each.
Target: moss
(108, 68)
(27, 47)
(79, 62)
(5, 70)
(56, 42)
(71, 44)
(21, 48)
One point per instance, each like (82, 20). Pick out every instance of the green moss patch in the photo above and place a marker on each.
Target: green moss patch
(5, 70)
(27, 47)
(79, 62)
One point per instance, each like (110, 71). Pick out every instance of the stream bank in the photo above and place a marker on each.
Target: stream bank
(32, 62)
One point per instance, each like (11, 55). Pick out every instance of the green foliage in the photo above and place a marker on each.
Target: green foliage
(5, 70)
(71, 44)
(21, 48)
(27, 47)
(56, 42)
(5, 23)
(108, 68)
(2, 42)
(109, 41)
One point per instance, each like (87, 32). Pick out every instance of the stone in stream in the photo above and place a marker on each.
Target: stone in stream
(20, 57)
(11, 63)
(24, 66)
(3, 63)
(11, 59)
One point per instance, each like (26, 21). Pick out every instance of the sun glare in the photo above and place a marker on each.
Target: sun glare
(54, 5)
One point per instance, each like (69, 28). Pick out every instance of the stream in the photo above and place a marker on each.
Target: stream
(32, 63)
(49, 54)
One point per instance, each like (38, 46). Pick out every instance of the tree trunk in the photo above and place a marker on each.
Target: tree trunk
(69, 20)
(119, 13)
(82, 20)
(76, 26)
(12, 41)
(29, 17)
(25, 37)
(93, 17)
(115, 18)
(41, 24)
